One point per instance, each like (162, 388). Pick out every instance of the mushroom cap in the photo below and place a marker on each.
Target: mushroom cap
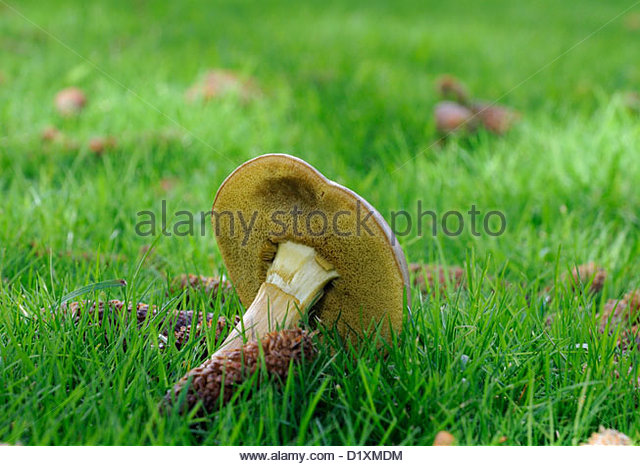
(355, 239)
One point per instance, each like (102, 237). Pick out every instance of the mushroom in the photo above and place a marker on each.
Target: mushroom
(341, 259)
(342, 262)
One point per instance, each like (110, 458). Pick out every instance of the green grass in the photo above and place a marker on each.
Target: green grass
(350, 89)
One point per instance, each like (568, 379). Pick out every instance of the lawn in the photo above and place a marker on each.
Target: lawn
(349, 87)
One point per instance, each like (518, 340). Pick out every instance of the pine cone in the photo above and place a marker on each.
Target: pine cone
(450, 87)
(608, 437)
(182, 320)
(211, 286)
(625, 312)
(219, 377)
(495, 118)
(587, 274)
(452, 117)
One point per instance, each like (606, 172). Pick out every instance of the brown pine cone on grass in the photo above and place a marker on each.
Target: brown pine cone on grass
(182, 321)
(452, 117)
(494, 118)
(581, 276)
(444, 439)
(210, 286)
(588, 274)
(623, 312)
(608, 437)
(216, 380)
(451, 88)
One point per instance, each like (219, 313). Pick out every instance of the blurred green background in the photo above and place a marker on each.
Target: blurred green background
(349, 87)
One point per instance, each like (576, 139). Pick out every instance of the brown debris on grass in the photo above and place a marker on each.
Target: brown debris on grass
(581, 276)
(182, 321)
(452, 117)
(70, 101)
(457, 113)
(623, 313)
(425, 277)
(167, 184)
(494, 118)
(50, 134)
(608, 437)
(43, 251)
(210, 286)
(444, 439)
(451, 88)
(619, 311)
(590, 274)
(632, 21)
(631, 101)
(216, 380)
(99, 144)
(216, 83)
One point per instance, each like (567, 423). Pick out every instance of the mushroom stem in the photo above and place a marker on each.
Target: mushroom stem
(295, 281)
